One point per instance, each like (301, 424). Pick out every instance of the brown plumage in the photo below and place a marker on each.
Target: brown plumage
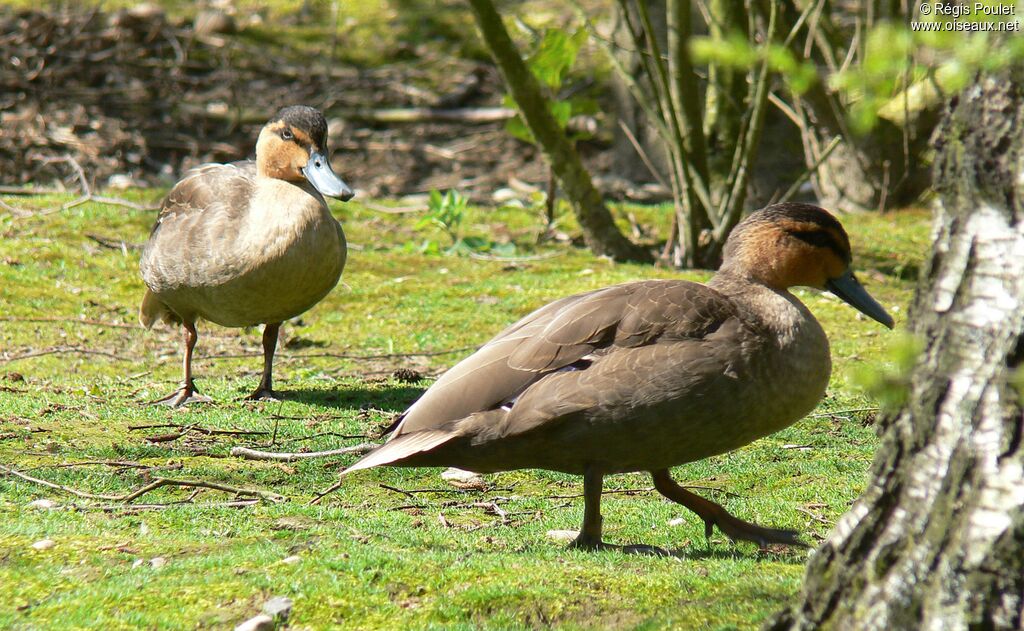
(647, 375)
(247, 243)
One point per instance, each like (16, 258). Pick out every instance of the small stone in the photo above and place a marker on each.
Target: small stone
(503, 195)
(262, 622)
(158, 562)
(278, 608)
(120, 181)
(460, 478)
(137, 563)
(44, 544)
(563, 535)
(678, 521)
(214, 22)
(43, 503)
(292, 560)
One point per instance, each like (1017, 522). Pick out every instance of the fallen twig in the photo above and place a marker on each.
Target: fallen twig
(331, 489)
(57, 350)
(255, 454)
(515, 259)
(202, 484)
(113, 508)
(202, 430)
(114, 325)
(113, 244)
(450, 351)
(840, 412)
(394, 210)
(155, 484)
(60, 487)
(642, 490)
(109, 463)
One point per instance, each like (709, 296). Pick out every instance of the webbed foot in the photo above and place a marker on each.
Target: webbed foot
(184, 395)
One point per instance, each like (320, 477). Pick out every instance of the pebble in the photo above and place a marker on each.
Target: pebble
(678, 521)
(292, 560)
(262, 622)
(563, 535)
(44, 544)
(43, 503)
(278, 608)
(158, 562)
(458, 477)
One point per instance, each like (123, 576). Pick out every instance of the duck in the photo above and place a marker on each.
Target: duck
(647, 375)
(247, 243)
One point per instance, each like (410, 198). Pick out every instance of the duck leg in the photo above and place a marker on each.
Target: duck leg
(590, 535)
(187, 393)
(714, 515)
(265, 391)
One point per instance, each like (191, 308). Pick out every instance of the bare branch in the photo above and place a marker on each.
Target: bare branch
(254, 454)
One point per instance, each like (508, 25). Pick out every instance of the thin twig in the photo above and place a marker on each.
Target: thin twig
(839, 412)
(643, 490)
(155, 484)
(451, 351)
(202, 430)
(56, 350)
(115, 325)
(112, 508)
(643, 154)
(516, 259)
(60, 487)
(86, 463)
(331, 489)
(216, 486)
(255, 454)
(393, 210)
(794, 188)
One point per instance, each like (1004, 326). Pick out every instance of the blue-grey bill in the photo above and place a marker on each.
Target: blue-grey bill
(320, 174)
(849, 289)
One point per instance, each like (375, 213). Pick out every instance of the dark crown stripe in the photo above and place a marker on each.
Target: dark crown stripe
(821, 239)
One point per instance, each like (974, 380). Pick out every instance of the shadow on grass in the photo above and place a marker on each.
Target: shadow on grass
(387, 398)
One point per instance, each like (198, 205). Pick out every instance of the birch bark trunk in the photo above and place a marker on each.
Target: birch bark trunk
(936, 541)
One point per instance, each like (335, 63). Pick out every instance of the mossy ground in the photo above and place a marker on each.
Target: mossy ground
(370, 557)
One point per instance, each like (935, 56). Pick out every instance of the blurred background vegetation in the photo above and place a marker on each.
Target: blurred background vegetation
(716, 107)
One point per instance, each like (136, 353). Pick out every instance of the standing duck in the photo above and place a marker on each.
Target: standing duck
(247, 243)
(647, 375)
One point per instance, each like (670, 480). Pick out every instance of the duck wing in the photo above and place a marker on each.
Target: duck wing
(199, 217)
(563, 335)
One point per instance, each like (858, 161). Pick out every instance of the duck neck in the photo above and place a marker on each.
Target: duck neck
(777, 309)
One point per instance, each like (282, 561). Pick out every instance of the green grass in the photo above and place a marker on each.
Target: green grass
(370, 557)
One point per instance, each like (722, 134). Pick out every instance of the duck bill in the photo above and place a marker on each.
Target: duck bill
(323, 178)
(849, 289)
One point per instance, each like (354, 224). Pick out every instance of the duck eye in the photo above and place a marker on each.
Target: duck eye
(287, 134)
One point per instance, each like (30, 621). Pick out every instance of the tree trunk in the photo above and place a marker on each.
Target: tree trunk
(936, 541)
(601, 234)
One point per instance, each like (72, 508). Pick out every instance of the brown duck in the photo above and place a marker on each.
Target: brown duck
(647, 375)
(247, 243)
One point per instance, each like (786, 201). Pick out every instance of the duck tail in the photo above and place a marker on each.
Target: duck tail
(401, 447)
(152, 309)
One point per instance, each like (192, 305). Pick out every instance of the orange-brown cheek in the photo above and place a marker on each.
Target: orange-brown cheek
(795, 267)
(287, 163)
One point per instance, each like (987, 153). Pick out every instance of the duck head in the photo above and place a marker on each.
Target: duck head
(794, 244)
(293, 147)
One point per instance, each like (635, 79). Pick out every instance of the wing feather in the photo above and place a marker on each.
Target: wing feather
(559, 335)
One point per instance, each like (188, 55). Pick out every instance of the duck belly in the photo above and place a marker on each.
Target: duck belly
(293, 275)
